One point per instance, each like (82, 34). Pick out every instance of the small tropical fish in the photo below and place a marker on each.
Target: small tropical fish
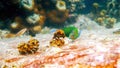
(21, 32)
(72, 32)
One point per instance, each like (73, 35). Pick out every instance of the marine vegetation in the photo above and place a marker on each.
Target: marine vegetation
(72, 32)
(58, 38)
(28, 48)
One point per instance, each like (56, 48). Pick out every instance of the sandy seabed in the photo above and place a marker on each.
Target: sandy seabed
(97, 47)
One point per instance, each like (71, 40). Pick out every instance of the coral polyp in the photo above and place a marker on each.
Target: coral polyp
(28, 48)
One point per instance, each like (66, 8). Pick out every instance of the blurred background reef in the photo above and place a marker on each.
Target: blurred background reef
(31, 16)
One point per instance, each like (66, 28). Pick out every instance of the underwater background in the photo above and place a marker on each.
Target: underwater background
(31, 17)
(59, 33)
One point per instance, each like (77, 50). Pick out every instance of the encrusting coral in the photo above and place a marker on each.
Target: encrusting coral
(28, 48)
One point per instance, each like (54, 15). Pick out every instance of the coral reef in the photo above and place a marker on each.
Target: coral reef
(32, 14)
(28, 48)
(75, 6)
(97, 48)
(104, 12)
(107, 22)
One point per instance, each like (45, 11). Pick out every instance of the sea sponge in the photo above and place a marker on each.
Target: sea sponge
(28, 48)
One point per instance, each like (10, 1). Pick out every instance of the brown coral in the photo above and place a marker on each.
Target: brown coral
(17, 24)
(57, 42)
(28, 48)
(58, 38)
(59, 34)
(57, 16)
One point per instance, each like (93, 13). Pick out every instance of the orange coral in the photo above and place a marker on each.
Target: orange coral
(59, 34)
(58, 38)
(42, 20)
(28, 48)
(57, 42)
